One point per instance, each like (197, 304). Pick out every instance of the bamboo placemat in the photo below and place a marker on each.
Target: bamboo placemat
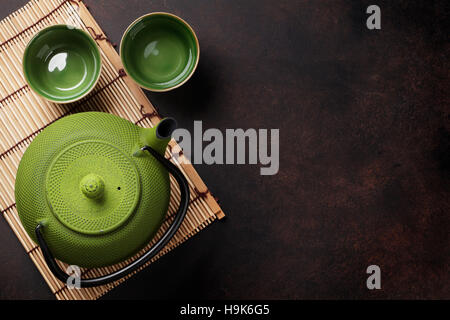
(23, 115)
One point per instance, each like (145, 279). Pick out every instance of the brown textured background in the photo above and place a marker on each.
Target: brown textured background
(365, 164)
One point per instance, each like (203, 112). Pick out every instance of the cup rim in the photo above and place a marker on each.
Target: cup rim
(197, 44)
(89, 37)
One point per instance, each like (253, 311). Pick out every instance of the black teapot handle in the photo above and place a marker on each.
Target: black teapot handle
(181, 213)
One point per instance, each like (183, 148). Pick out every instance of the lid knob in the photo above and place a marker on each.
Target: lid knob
(92, 186)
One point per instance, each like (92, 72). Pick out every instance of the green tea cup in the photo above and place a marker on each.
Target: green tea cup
(62, 63)
(160, 51)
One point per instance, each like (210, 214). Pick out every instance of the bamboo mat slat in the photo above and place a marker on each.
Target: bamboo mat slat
(23, 115)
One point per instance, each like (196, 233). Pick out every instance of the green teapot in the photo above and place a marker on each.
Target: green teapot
(93, 189)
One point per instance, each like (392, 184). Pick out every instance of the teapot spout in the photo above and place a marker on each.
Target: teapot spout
(159, 136)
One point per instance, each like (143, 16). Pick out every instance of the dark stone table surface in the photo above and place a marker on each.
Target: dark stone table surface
(365, 152)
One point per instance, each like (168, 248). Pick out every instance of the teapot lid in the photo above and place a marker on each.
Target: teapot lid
(92, 187)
